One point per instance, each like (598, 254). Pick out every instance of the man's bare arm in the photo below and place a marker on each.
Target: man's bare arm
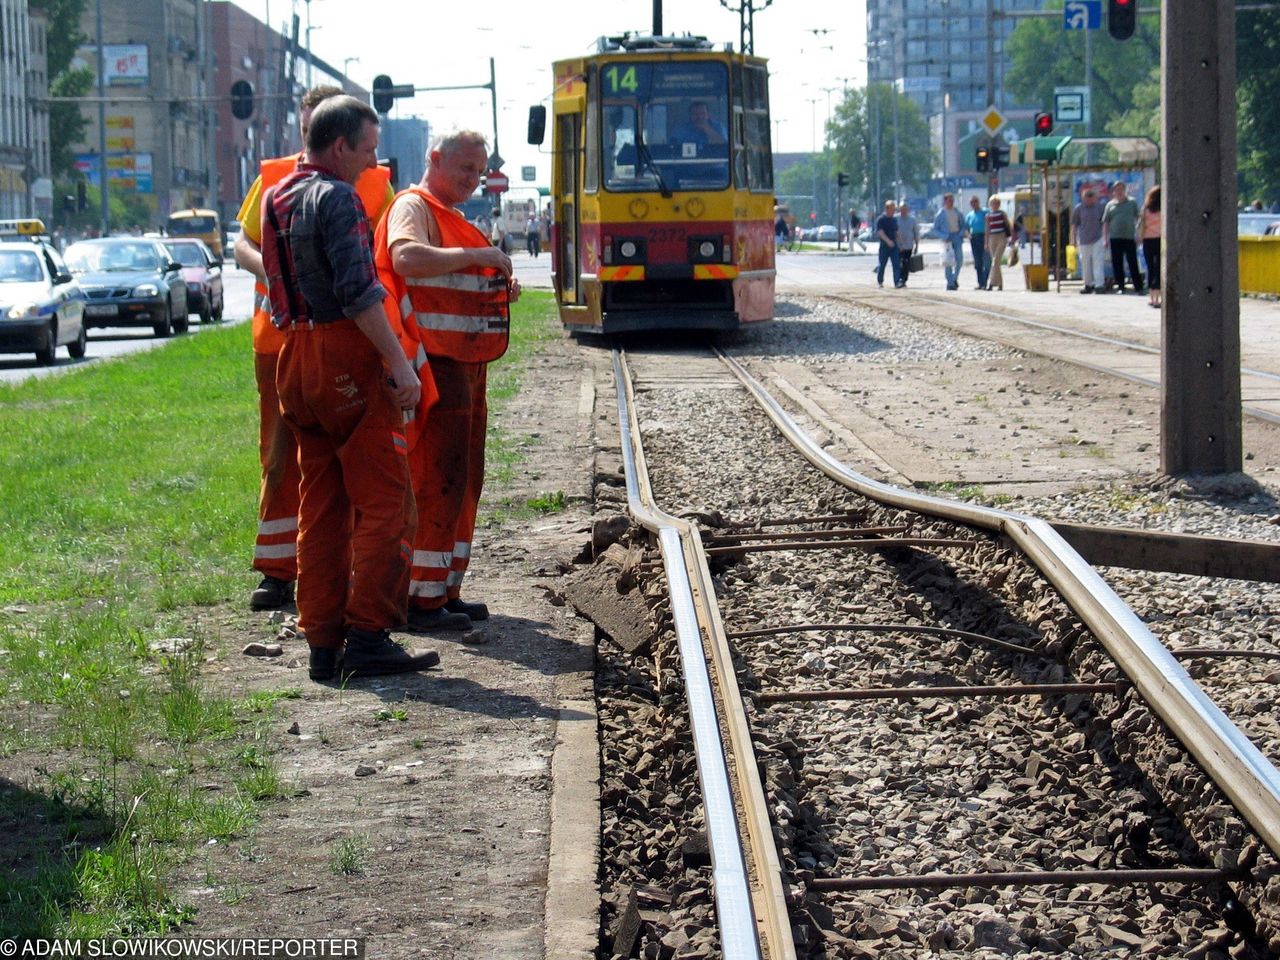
(249, 257)
(410, 258)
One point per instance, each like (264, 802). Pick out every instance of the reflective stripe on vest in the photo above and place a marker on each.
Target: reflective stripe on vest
(460, 315)
(372, 190)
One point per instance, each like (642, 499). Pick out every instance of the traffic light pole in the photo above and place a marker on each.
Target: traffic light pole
(103, 193)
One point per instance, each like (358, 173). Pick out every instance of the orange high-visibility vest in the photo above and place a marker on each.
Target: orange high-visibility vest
(372, 190)
(461, 315)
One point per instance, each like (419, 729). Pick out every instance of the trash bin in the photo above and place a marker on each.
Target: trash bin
(1036, 276)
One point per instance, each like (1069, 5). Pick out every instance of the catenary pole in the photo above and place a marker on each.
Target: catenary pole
(1200, 383)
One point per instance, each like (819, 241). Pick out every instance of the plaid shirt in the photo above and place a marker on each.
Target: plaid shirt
(317, 249)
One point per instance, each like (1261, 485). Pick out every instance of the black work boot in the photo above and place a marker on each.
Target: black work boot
(474, 611)
(324, 663)
(372, 653)
(272, 594)
(441, 618)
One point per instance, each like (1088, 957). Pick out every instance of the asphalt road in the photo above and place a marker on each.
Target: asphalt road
(117, 341)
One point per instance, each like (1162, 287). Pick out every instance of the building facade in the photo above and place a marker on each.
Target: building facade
(949, 57)
(26, 189)
(156, 123)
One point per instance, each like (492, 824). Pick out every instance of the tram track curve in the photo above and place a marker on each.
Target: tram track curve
(1235, 764)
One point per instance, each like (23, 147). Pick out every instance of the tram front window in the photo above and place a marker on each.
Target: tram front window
(665, 126)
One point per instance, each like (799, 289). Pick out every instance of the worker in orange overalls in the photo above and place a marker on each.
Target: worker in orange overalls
(343, 382)
(275, 552)
(452, 289)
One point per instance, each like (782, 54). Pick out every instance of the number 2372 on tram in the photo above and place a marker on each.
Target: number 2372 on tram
(662, 187)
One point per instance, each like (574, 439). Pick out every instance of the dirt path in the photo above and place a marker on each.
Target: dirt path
(446, 812)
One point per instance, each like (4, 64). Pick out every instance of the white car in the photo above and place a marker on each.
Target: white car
(41, 305)
(827, 233)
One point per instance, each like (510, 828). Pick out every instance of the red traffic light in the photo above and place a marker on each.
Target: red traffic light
(1044, 124)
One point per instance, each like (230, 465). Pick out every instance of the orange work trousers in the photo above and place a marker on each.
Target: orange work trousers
(447, 465)
(356, 513)
(275, 554)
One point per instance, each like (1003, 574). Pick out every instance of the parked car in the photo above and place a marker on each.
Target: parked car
(41, 305)
(826, 233)
(1254, 224)
(130, 282)
(203, 273)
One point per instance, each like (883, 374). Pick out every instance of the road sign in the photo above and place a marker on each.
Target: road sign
(1071, 104)
(528, 174)
(1082, 15)
(993, 120)
(495, 182)
(496, 161)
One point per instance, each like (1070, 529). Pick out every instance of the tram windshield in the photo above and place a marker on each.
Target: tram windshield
(665, 126)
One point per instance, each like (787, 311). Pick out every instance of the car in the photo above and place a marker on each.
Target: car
(41, 305)
(203, 273)
(826, 233)
(1253, 224)
(130, 282)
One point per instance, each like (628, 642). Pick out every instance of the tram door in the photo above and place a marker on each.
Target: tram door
(568, 158)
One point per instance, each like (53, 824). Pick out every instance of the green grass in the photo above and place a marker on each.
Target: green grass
(349, 855)
(128, 499)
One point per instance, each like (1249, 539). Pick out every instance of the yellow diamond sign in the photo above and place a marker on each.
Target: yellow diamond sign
(993, 120)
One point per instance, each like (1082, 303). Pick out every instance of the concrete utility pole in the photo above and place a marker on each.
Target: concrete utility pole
(104, 193)
(1200, 377)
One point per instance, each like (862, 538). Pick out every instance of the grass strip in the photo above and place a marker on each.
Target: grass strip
(128, 497)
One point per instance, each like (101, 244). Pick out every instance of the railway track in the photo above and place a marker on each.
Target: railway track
(919, 725)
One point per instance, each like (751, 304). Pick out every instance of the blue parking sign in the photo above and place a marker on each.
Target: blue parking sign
(1082, 14)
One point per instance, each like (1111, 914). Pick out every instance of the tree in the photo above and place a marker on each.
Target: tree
(1257, 108)
(66, 122)
(862, 131)
(1042, 56)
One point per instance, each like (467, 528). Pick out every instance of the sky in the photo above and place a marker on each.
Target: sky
(814, 47)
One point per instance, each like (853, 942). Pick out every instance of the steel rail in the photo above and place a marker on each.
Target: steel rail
(688, 581)
(1235, 764)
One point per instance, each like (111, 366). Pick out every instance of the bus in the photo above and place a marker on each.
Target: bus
(201, 224)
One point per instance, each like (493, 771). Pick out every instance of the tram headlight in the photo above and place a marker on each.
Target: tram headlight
(706, 249)
(628, 250)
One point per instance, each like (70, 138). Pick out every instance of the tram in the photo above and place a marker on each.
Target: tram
(662, 187)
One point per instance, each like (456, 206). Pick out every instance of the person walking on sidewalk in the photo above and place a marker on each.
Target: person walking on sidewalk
(343, 380)
(1086, 236)
(1120, 231)
(453, 292)
(998, 232)
(1152, 234)
(908, 238)
(949, 225)
(975, 222)
(855, 231)
(887, 233)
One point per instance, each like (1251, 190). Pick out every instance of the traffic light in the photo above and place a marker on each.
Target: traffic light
(82, 196)
(842, 180)
(999, 157)
(1122, 18)
(383, 98)
(982, 160)
(242, 100)
(1044, 124)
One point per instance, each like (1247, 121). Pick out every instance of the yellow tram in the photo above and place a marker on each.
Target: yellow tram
(662, 187)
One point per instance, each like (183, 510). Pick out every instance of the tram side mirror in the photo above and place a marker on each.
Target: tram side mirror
(537, 124)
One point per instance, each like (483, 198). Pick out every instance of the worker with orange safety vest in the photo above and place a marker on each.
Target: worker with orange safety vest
(451, 289)
(343, 382)
(275, 552)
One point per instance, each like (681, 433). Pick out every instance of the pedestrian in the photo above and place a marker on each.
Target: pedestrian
(343, 380)
(998, 232)
(531, 239)
(975, 222)
(855, 231)
(908, 238)
(1120, 231)
(453, 288)
(887, 233)
(275, 550)
(949, 225)
(781, 232)
(1152, 232)
(1086, 236)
